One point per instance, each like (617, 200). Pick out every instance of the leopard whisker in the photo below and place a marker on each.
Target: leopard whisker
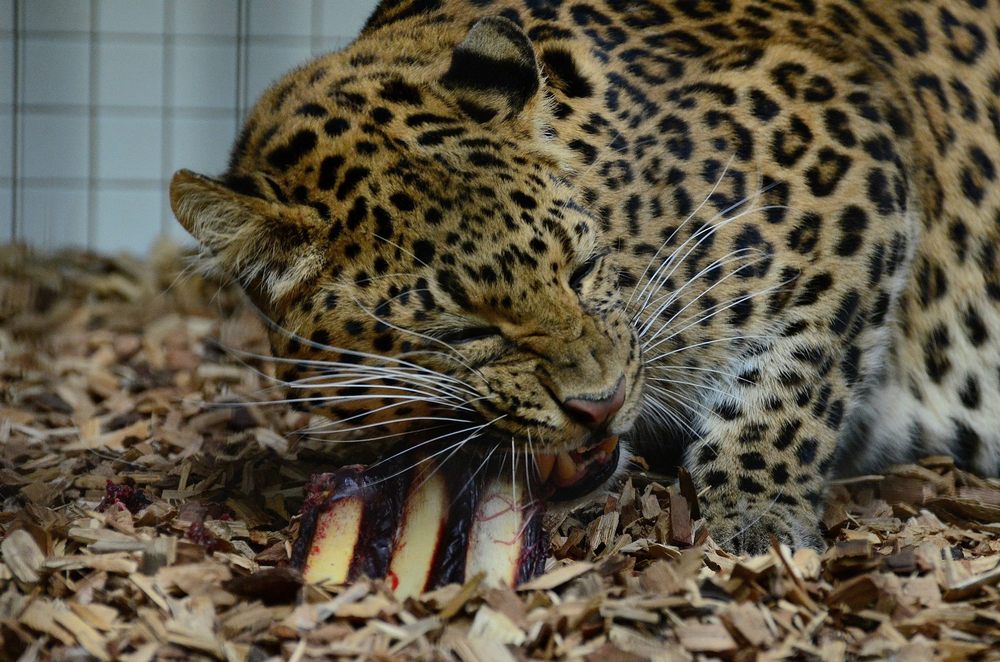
(702, 235)
(708, 342)
(307, 434)
(705, 315)
(666, 241)
(673, 296)
(474, 429)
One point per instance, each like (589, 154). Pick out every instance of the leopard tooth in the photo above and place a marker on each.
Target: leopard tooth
(566, 469)
(544, 463)
(609, 444)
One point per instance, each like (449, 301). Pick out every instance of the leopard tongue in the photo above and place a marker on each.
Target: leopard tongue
(566, 469)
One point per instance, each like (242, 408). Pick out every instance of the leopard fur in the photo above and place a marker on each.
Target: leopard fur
(776, 224)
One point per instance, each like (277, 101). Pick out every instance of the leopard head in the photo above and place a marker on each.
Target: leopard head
(413, 234)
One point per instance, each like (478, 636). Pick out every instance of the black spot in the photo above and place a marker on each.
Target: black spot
(335, 229)
(354, 327)
(398, 91)
(764, 108)
(287, 155)
(328, 172)
(586, 150)
(936, 353)
(806, 233)
(727, 411)
(320, 337)
(878, 191)
(852, 222)
(357, 213)
(381, 115)
(383, 223)
(352, 177)
(845, 312)
(829, 169)
(967, 445)
(436, 137)
(752, 461)
(311, 110)
(787, 434)
(969, 393)
(748, 485)
(336, 126)
(779, 473)
(330, 301)
(402, 201)
(838, 126)
(523, 200)
(716, 478)
(423, 251)
(789, 145)
(564, 75)
(806, 452)
(975, 328)
(813, 288)
(432, 216)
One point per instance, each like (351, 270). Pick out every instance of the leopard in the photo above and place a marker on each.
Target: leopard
(757, 238)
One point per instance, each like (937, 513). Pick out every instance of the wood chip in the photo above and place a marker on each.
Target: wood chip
(112, 371)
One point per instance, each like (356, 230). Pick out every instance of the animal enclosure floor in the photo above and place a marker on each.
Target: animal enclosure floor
(147, 502)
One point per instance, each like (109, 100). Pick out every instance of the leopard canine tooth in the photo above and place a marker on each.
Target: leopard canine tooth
(609, 444)
(566, 470)
(544, 462)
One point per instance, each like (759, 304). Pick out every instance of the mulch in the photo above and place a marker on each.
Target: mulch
(147, 502)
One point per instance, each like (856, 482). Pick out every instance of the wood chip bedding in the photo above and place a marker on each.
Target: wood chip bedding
(148, 500)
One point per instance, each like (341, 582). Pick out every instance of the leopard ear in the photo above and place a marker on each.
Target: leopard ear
(269, 246)
(493, 73)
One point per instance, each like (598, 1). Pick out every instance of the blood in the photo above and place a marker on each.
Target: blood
(198, 534)
(392, 579)
(126, 496)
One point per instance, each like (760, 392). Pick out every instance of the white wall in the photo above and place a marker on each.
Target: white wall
(101, 100)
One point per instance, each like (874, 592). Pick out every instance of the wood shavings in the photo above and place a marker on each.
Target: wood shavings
(113, 372)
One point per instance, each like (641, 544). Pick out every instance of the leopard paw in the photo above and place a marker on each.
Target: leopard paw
(749, 528)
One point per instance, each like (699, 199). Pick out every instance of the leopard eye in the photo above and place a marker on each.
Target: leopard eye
(467, 335)
(580, 273)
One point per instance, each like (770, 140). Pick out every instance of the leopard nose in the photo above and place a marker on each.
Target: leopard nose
(595, 413)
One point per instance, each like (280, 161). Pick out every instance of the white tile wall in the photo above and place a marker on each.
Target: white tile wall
(55, 146)
(51, 214)
(57, 69)
(6, 222)
(117, 94)
(145, 16)
(128, 148)
(132, 211)
(6, 60)
(212, 18)
(201, 143)
(130, 73)
(286, 17)
(268, 62)
(56, 15)
(204, 74)
(6, 145)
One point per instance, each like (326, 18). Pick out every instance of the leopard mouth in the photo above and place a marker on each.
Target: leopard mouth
(571, 474)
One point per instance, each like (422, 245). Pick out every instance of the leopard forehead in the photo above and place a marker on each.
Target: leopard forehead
(407, 186)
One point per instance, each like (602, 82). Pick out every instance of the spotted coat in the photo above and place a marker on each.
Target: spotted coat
(777, 223)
